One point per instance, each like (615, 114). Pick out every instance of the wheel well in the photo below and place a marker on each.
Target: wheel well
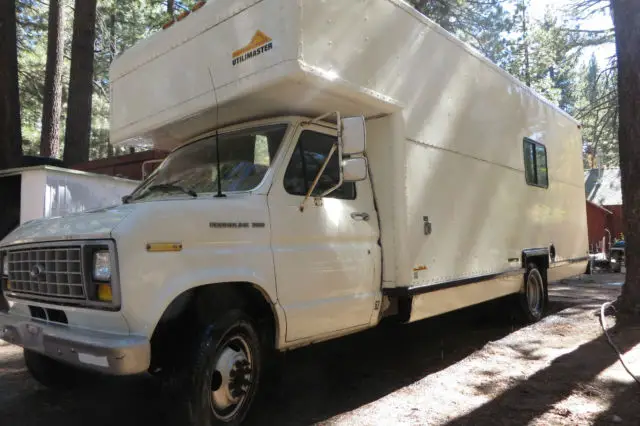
(539, 257)
(188, 313)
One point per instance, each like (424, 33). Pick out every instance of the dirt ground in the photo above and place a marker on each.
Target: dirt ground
(467, 368)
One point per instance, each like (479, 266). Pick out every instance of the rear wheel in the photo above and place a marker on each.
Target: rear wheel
(533, 298)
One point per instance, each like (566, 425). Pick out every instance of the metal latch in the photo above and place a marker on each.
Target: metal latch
(427, 225)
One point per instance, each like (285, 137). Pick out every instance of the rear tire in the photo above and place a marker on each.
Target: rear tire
(533, 299)
(226, 371)
(54, 374)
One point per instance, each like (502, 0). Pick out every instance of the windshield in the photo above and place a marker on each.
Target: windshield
(245, 157)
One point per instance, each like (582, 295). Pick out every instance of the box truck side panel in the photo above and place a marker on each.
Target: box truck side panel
(387, 47)
(482, 217)
(462, 172)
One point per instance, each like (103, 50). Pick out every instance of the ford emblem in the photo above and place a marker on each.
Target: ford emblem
(36, 271)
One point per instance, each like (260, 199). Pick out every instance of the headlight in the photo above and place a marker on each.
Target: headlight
(102, 266)
(5, 265)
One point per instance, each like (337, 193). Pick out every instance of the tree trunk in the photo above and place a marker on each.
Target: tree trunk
(78, 131)
(10, 131)
(52, 106)
(627, 26)
(170, 7)
(113, 50)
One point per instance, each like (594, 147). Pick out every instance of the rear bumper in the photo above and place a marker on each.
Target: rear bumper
(103, 352)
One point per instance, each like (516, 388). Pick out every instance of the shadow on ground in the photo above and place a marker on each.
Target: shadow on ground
(317, 383)
(528, 400)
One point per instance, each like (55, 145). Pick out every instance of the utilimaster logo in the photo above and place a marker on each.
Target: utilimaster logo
(260, 43)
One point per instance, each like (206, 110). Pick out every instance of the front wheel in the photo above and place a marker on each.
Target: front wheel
(533, 298)
(226, 372)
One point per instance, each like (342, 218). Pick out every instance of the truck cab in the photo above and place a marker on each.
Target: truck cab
(208, 233)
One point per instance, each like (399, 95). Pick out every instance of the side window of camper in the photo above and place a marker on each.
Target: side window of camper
(309, 156)
(535, 164)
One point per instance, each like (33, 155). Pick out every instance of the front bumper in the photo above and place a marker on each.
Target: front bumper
(103, 352)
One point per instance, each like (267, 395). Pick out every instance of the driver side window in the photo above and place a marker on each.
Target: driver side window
(307, 159)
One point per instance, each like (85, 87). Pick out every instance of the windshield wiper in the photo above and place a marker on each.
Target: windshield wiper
(172, 186)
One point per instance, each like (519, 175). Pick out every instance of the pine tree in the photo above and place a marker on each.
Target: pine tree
(626, 19)
(10, 131)
(597, 110)
(483, 24)
(52, 108)
(78, 131)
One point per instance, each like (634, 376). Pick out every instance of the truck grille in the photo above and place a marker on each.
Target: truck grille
(47, 272)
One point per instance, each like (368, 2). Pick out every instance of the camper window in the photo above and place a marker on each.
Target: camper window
(535, 164)
(309, 156)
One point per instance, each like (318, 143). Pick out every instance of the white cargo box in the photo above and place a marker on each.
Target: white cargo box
(45, 191)
(256, 59)
(445, 126)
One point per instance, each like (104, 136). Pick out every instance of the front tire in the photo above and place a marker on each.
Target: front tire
(533, 299)
(53, 374)
(226, 372)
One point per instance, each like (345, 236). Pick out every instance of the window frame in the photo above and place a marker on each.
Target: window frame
(535, 144)
(321, 130)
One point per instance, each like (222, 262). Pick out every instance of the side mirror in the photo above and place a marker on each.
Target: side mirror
(354, 169)
(353, 136)
(144, 167)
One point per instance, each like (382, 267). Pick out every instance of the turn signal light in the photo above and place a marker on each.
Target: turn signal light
(104, 293)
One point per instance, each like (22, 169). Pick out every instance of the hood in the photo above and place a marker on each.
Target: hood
(94, 224)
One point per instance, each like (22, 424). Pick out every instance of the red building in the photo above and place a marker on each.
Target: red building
(604, 207)
(126, 166)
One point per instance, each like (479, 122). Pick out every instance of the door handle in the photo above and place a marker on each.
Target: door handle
(360, 216)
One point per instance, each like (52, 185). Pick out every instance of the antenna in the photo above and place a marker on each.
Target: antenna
(219, 194)
(215, 95)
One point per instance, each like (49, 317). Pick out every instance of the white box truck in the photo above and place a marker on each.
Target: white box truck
(271, 226)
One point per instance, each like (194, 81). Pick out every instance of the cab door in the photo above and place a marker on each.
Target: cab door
(327, 256)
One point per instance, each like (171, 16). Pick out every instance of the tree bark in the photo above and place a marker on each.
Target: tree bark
(52, 105)
(78, 131)
(627, 27)
(10, 131)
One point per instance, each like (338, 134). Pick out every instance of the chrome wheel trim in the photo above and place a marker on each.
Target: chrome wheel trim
(534, 293)
(232, 378)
